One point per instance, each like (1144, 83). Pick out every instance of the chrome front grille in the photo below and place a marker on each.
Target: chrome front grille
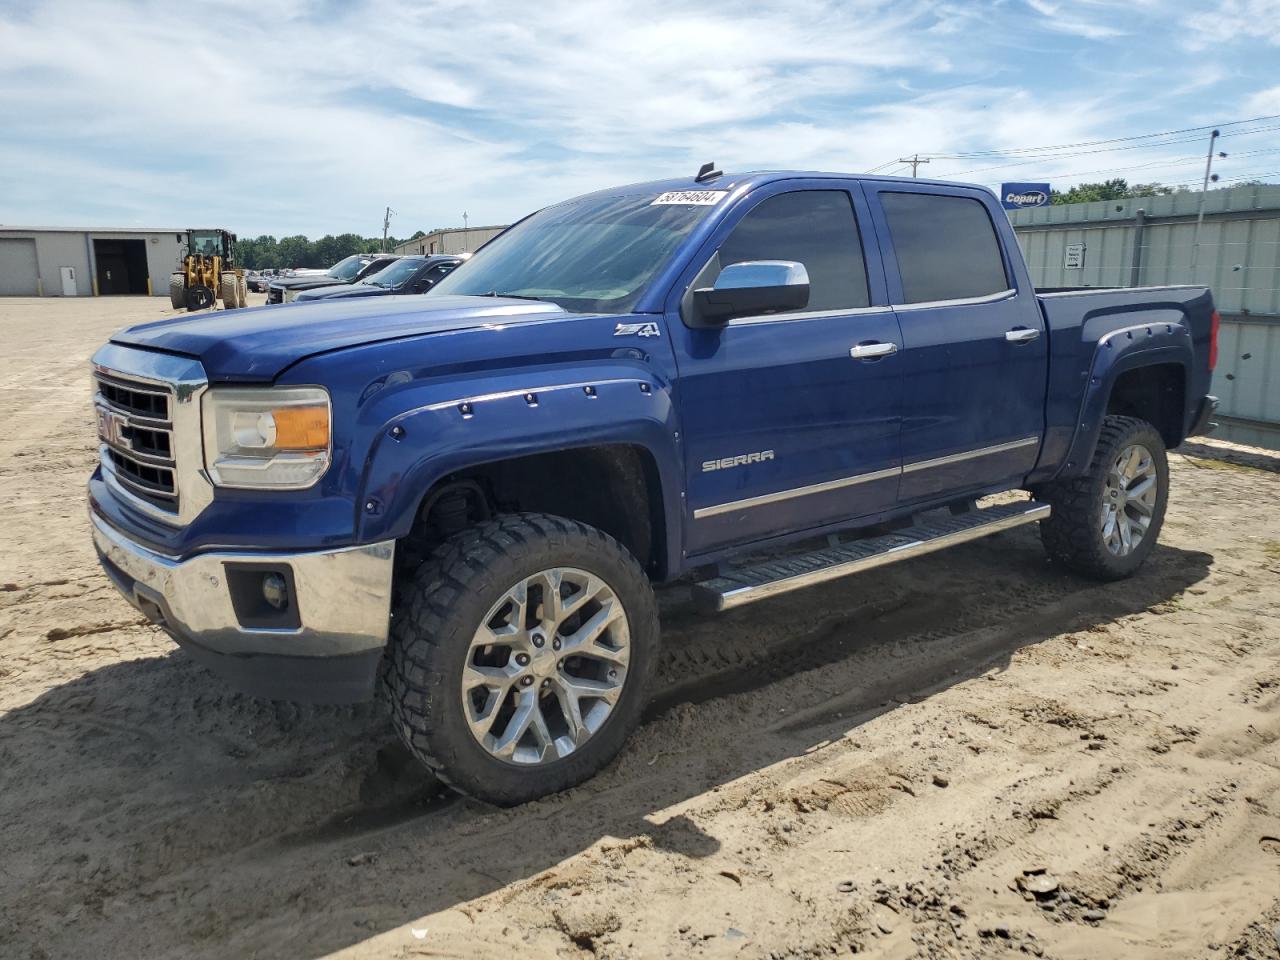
(136, 433)
(140, 399)
(148, 413)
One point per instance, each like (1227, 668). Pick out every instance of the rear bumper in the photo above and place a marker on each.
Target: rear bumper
(324, 646)
(1202, 424)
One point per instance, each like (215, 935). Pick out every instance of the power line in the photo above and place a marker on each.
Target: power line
(882, 166)
(1041, 153)
(1093, 143)
(1151, 164)
(1083, 153)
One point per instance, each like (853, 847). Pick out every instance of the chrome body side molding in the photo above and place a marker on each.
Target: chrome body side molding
(969, 454)
(701, 513)
(767, 498)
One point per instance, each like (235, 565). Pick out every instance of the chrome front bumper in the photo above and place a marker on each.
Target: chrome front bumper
(341, 602)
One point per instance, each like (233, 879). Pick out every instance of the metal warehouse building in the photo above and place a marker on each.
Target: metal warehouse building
(1153, 240)
(450, 240)
(79, 262)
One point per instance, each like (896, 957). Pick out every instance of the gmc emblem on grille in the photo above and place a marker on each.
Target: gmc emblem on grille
(113, 428)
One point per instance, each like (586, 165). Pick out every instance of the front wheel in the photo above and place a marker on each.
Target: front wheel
(521, 655)
(1105, 523)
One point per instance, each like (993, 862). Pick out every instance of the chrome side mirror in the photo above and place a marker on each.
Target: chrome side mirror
(752, 288)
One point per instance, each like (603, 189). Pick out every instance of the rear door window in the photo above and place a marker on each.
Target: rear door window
(814, 227)
(946, 247)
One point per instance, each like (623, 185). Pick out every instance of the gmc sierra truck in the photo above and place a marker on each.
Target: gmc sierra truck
(466, 499)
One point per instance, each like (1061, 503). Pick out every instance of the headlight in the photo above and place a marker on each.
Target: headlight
(290, 296)
(266, 438)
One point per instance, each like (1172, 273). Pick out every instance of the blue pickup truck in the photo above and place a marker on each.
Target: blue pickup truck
(466, 499)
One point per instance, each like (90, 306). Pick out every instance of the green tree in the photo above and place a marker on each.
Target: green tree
(268, 253)
(1115, 189)
(296, 251)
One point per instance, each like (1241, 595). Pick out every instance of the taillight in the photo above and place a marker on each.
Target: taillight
(1215, 322)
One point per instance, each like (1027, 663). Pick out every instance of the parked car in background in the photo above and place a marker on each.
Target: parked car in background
(347, 270)
(407, 275)
(257, 281)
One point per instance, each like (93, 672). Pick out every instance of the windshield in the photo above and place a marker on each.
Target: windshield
(394, 275)
(346, 269)
(592, 255)
(206, 244)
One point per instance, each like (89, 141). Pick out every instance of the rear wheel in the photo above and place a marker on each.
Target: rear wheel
(177, 291)
(521, 656)
(242, 291)
(1105, 523)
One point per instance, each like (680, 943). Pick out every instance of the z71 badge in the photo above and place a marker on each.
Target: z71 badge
(648, 329)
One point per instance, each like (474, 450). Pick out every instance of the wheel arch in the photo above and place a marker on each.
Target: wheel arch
(614, 487)
(605, 453)
(1140, 371)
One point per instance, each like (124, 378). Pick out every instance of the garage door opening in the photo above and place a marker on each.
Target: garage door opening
(19, 275)
(122, 266)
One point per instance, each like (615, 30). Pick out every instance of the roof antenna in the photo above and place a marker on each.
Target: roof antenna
(707, 172)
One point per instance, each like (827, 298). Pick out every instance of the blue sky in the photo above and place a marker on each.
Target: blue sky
(290, 117)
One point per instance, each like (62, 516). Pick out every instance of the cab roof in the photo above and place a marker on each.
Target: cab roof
(755, 178)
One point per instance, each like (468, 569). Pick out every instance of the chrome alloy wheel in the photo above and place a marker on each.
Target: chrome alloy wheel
(546, 667)
(1129, 499)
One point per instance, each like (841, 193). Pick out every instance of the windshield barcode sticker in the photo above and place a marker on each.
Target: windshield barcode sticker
(704, 198)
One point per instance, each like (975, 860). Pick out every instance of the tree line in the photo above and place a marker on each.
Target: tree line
(1119, 189)
(268, 253)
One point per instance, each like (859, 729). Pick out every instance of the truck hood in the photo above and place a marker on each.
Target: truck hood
(258, 344)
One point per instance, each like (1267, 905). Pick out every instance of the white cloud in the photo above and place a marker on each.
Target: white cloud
(1066, 18)
(1264, 103)
(275, 117)
(1229, 21)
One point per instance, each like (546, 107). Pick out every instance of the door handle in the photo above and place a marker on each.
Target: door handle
(1021, 335)
(869, 351)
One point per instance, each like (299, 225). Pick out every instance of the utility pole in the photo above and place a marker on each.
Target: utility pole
(466, 235)
(915, 162)
(386, 225)
(1204, 188)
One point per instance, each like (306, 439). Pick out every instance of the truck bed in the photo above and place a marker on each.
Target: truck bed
(1079, 319)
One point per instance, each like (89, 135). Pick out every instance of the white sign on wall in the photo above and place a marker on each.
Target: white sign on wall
(1074, 260)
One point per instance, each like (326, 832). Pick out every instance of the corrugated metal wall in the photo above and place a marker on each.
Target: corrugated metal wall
(450, 240)
(57, 248)
(1238, 256)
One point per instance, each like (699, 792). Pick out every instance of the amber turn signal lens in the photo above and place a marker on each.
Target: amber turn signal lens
(301, 428)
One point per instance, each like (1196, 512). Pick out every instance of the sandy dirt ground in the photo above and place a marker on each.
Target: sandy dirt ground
(969, 755)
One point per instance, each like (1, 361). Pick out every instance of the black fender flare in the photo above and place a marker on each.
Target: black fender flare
(1118, 352)
(418, 447)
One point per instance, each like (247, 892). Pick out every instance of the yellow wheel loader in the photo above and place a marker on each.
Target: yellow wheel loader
(209, 273)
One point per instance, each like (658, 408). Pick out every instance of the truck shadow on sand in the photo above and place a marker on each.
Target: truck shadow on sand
(146, 804)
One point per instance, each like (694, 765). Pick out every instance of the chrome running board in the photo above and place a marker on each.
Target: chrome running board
(772, 577)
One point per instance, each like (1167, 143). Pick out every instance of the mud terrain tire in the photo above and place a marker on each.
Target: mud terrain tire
(1075, 533)
(443, 603)
(178, 291)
